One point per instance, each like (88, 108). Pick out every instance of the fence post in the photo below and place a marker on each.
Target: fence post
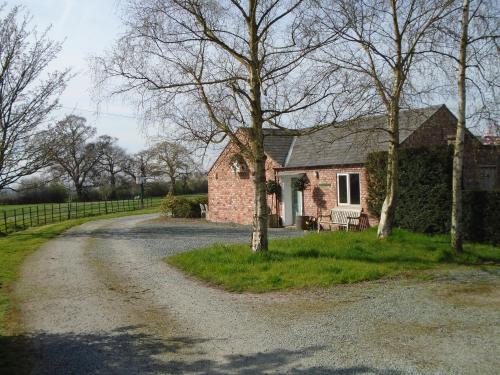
(31, 218)
(60, 213)
(15, 220)
(76, 210)
(44, 214)
(5, 220)
(37, 216)
(22, 213)
(69, 210)
(106, 207)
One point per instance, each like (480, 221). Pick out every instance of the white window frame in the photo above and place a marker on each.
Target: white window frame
(348, 181)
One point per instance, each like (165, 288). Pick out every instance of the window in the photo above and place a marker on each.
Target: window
(348, 188)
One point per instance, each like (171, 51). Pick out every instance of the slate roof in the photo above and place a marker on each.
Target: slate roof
(277, 145)
(346, 143)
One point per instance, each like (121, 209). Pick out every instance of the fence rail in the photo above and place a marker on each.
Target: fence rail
(16, 219)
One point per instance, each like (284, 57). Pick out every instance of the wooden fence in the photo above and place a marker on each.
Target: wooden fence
(16, 219)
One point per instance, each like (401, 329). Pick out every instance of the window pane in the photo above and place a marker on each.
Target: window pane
(354, 185)
(342, 189)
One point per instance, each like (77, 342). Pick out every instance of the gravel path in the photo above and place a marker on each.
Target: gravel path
(99, 300)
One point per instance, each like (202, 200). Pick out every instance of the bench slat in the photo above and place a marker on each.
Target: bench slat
(343, 217)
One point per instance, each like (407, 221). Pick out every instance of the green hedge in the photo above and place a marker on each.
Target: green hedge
(481, 221)
(182, 207)
(424, 199)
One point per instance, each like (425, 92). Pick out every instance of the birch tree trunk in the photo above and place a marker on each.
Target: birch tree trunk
(458, 154)
(259, 236)
(389, 206)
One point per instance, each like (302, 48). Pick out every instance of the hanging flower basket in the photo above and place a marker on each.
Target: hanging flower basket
(301, 183)
(272, 187)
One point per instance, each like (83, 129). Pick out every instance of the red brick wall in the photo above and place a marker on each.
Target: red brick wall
(440, 129)
(230, 196)
(320, 196)
(434, 132)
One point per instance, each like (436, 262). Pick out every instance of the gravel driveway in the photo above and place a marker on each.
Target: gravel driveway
(99, 300)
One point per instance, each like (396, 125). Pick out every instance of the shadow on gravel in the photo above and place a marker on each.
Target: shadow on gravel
(176, 230)
(125, 352)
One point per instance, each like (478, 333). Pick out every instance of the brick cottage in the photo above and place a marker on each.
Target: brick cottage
(333, 160)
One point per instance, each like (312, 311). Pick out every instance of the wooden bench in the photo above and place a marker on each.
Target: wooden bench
(341, 217)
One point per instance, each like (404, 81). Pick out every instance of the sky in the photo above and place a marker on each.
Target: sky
(86, 28)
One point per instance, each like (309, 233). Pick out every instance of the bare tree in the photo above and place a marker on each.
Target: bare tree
(112, 161)
(385, 41)
(140, 166)
(211, 68)
(28, 93)
(471, 44)
(174, 160)
(72, 153)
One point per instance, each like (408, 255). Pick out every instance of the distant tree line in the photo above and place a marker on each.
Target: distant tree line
(38, 190)
(82, 167)
(42, 161)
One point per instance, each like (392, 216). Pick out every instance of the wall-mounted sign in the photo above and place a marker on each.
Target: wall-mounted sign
(325, 185)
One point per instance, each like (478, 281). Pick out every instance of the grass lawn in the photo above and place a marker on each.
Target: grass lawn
(325, 259)
(16, 246)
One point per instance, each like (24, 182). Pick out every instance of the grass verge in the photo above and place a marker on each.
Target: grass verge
(16, 246)
(325, 259)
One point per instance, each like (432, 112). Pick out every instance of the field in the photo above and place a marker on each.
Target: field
(7, 207)
(22, 216)
(19, 217)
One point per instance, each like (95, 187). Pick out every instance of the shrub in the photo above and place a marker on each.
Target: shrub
(182, 207)
(167, 204)
(481, 222)
(424, 196)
